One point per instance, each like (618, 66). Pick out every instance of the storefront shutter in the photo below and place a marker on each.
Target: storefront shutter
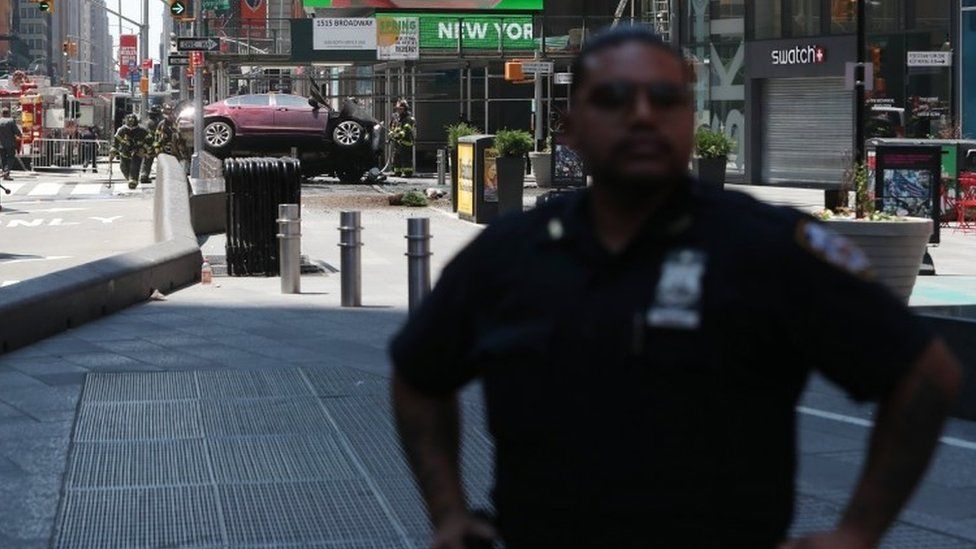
(808, 128)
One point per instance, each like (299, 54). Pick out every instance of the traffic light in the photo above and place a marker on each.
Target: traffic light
(46, 6)
(65, 47)
(181, 10)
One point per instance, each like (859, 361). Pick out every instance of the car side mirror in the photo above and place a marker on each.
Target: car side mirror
(313, 103)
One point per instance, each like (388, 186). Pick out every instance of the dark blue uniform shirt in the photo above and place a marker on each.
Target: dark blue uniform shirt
(650, 394)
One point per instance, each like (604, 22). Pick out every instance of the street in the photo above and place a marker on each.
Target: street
(51, 222)
(296, 388)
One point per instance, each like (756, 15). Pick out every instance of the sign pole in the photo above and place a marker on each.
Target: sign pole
(860, 76)
(197, 98)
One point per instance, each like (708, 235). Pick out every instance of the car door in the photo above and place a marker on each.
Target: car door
(294, 115)
(253, 114)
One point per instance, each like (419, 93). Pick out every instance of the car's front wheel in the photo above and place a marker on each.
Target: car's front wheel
(218, 136)
(348, 133)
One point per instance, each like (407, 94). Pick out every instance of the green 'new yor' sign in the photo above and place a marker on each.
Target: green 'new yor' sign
(528, 5)
(478, 32)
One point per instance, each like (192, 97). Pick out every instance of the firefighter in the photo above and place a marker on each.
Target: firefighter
(155, 116)
(129, 146)
(402, 134)
(168, 139)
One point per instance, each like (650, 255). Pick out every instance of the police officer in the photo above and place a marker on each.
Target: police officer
(643, 345)
(155, 116)
(129, 146)
(402, 135)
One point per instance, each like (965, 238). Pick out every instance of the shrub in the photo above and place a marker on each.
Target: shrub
(457, 131)
(513, 143)
(414, 199)
(712, 144)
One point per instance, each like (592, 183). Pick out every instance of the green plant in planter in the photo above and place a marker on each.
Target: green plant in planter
(513, 143)
(712, 144)
(457, 131)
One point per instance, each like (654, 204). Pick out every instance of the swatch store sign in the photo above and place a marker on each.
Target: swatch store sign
(799, 58)
(799, 55)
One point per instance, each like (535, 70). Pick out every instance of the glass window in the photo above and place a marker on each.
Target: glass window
(291, 101)
(884, 16)
(262, 100)
(723, 9)
(931, 15)
(233, 101)
(768, 16)
(843, 17)
(805, 17)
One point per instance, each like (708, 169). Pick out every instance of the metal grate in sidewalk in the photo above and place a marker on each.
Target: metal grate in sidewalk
(245, 459)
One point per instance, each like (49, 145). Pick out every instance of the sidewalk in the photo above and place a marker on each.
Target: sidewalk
(230, 415)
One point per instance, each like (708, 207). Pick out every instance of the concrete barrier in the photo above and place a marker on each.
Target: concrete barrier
(41, 307)
(957, 326)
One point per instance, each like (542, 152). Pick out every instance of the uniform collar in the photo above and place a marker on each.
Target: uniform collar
(573, 223)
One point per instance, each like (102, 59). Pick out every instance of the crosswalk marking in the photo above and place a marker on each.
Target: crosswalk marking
(87, 188)
(46, 189)
(13, 187)
(5, 283)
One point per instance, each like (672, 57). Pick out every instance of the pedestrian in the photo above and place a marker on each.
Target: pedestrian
(89, 148)
(402, 135)
(643, 344)
(155, 115)
(129, 146)
(9, 132)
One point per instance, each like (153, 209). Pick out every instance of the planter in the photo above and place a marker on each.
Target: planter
(895, 248)
(710, 171)
(542, 168)
(511, 179)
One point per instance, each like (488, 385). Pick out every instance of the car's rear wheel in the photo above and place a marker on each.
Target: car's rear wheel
(348, 133)
(218, 136)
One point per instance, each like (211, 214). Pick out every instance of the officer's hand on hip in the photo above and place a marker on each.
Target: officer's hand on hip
(462, 530)
(838, 539)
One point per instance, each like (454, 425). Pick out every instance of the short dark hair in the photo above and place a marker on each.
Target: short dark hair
(5, 111)
(618, 36)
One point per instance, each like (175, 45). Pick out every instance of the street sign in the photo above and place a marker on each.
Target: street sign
(537, 67)
(179, 60)
(147, 63)
(563, 78)
(196, 59)
(930, 59)
(196, 43)
(177, 8)
(134, 75)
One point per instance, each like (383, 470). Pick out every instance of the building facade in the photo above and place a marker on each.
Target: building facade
(14, 50)
(772, 74)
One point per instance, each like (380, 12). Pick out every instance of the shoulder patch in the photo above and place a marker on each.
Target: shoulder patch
(832, 248)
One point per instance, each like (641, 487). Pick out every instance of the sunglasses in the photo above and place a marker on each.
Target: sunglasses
(622, 95)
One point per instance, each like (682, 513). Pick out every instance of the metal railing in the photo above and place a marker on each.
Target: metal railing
(77, 154)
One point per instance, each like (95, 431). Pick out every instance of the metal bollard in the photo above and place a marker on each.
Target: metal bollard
(290, 247)
(350, 240)
(418, 259)
(442, 167)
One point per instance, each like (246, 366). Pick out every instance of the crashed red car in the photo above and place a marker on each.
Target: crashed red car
(345, 143)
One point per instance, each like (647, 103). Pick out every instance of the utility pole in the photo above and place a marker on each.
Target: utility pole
(197, 96)
(144, 55)
(859, 82)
